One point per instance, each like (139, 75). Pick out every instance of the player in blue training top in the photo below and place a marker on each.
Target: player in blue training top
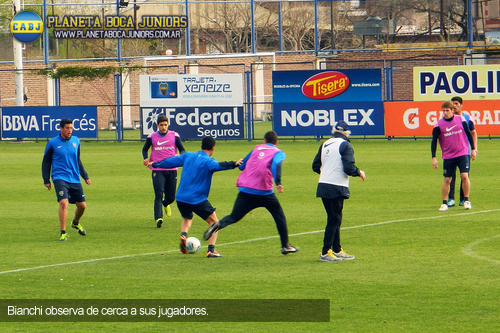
(192, 193)
(62, 155)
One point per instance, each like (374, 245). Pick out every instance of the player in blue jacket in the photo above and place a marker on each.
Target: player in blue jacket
(62, 155)
(194, 187)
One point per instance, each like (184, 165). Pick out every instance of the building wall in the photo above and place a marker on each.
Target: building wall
(100, 92)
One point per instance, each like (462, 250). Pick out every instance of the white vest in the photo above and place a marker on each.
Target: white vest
(332, 169)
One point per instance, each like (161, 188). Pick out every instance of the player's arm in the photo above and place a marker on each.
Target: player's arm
(436, 132)
(169, 163)
(316, 165)
(145, 150)
(47, 165)
(473, 151)
(83, 173)
(226, 165)
(276, 167)
(243, 163)
(348, 161)
(469, 135)
(473, 131)
(179, 145)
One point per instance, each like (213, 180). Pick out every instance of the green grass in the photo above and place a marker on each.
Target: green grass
(417, 269)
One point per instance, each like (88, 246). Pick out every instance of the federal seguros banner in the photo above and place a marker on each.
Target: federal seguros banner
(197, 105)
(310, 102)
(43, 121)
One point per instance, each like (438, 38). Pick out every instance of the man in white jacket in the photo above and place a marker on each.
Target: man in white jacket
(335, 163)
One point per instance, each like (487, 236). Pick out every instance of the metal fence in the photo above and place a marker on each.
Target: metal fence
(117, 97)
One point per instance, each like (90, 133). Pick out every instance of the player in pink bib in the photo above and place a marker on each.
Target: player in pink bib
(260, 168)
(163, 144)
(453, 134)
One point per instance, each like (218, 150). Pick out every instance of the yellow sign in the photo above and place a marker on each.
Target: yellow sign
(441, 83)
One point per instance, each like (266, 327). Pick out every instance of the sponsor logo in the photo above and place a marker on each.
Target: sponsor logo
(161, 143)
(163, 88)
(449, 129)
(26, 26)
(325, 85)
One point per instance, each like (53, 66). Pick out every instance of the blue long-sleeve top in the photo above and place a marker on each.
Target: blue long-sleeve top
(196, 178)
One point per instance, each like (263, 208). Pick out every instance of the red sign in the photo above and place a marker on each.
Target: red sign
(325, 85)
(418, 118)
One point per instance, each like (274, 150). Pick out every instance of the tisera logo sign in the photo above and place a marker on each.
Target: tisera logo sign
(325, 85)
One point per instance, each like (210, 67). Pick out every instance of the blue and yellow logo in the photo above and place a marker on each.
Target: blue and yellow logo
(26, 26)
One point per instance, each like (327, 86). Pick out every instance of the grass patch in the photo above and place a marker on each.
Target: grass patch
(417, 269)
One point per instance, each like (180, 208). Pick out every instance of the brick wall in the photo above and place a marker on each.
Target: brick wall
(100, 92)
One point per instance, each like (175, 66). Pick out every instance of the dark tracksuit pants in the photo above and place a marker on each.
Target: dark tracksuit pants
(164, 183)
(247, 202)
(333, 209)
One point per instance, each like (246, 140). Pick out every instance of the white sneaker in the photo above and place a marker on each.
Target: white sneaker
(328, 257)
(467, 205)
(443, 207)
(344, 256)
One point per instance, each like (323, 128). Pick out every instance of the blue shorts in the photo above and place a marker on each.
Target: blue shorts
(203, 210)
(451, 165)
(72, 192)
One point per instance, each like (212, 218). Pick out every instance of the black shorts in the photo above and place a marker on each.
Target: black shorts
(72, 192)
(450, 165)
(203, 210)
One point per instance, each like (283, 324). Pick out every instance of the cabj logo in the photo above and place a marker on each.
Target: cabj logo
(26, 26)
(325, 85)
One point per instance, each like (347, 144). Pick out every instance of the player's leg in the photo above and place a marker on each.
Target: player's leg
(158, 186)
(62, 193)
(77, 197)
(63, 214)
(243, 204)
(451, 194)
(462, 195)
(169, 189)
(463, 165)
(206, 211)
(333, 221)
(211, 252)
(333, 208)
(186, 211)
(445, 189)
(449, 168)
(273, 206)
(80, 209)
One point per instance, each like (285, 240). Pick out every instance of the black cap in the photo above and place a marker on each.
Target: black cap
(341, 126)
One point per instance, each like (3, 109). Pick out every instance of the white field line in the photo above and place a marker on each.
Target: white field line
(468, 250)
(259, 239)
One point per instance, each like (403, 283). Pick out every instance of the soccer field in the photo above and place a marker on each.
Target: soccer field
(416, 269)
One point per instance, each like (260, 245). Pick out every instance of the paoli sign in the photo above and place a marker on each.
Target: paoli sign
(441, 83)
(311, 102)
(197, 105)
(43, 121)
(418, 118)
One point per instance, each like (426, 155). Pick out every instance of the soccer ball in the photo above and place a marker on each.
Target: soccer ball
(192, 244)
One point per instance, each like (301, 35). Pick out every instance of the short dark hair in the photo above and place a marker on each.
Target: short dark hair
(65, 121)
(207, 143)
(161, 118)
(271, 137)
(457, 99)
